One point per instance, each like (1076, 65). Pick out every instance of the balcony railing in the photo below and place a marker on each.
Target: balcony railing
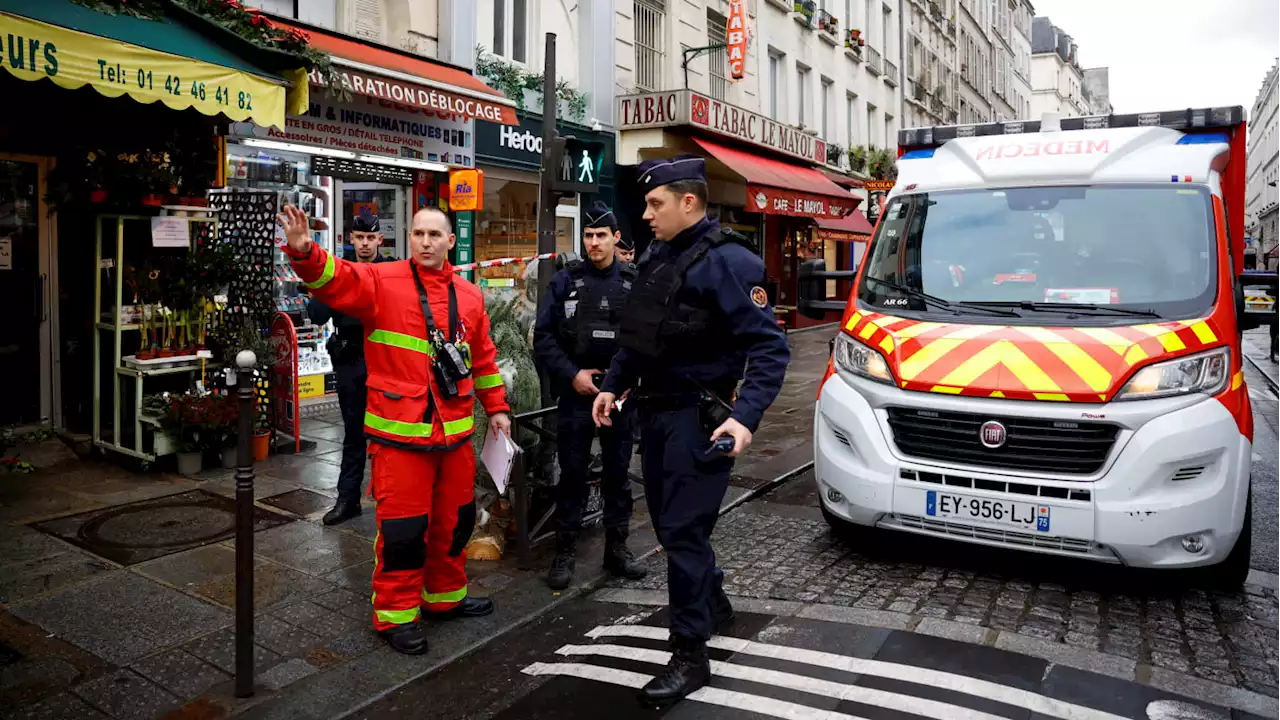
(874, 62)
(891, 73)
(828, 23)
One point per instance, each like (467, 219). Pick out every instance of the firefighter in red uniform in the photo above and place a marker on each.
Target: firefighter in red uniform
(429, 355)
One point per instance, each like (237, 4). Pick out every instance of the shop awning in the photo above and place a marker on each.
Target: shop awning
(853, 227)
(168, 60)
(845, 181)
(417, 82)
(775, 187)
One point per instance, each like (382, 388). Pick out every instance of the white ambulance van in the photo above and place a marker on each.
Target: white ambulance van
(1041, 350)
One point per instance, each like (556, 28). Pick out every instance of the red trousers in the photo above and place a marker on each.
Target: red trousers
(426, 512)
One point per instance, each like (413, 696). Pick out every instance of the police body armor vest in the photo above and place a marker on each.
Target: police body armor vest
(656, 322)
(592, 331)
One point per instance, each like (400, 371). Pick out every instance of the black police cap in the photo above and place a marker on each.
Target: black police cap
(600, 216)
(365, 222)
(656, 173)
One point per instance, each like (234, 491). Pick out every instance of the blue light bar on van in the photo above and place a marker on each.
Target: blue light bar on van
(1203, 139)
(1189, 119)
(920, 154)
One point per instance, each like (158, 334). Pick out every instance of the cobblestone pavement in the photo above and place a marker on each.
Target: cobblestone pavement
(769, 553)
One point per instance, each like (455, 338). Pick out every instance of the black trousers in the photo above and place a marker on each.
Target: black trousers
(351, 400)
(575, 431)
(684, 490)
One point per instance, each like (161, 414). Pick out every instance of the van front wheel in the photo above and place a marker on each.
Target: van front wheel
(1230, 574)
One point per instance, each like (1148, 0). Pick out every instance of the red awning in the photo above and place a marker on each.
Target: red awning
(842, 180)
(854, 222)
(416, 82)
(775, 187)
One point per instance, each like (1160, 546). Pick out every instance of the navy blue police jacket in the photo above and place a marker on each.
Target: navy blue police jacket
(723, 281)
(551, 348)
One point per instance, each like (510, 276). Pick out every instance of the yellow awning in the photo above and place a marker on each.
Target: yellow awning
(33, 50)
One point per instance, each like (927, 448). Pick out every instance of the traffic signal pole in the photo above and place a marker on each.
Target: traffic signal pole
(547, 199)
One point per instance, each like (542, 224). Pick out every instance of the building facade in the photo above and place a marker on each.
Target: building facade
(974, 103)
(1057, 81)
(932, 59)
(1097, 85)
(1261, 197)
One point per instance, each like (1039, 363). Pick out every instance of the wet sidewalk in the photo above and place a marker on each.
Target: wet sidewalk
(1257, 346)
(117, 588)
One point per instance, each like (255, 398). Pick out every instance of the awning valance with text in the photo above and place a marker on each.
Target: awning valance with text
(775, 187)
(148, 60)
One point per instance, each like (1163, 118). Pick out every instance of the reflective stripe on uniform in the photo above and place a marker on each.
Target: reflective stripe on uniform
(448, 597)
(400, 340)
(325, 276)
(457, 427)
(397, 617)
(484, 382)
(396, 427)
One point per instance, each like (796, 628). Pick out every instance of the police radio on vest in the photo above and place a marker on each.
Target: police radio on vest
(513, 138)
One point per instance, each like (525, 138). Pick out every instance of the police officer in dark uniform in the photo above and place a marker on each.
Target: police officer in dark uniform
(698, 323)
(346, 349)
(575, 338)
(626, 249)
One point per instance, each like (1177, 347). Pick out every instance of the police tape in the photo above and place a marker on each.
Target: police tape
(502, 261)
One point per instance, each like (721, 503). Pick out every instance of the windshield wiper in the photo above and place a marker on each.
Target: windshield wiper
(1069, 308)
(939, 302)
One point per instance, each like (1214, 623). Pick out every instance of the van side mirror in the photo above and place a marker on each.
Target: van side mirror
(1255, 299)
(811, 286)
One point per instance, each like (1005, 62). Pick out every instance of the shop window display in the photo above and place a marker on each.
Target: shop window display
(508, 228)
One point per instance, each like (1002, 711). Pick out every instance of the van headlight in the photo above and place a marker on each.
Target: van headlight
(1204, 373)
(853, 357)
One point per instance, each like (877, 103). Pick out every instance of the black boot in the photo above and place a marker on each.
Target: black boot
(722, 614)
(343, 511)
(561, 573)
(470, 606)
(618, 559)
(688, 670)
(407, 638)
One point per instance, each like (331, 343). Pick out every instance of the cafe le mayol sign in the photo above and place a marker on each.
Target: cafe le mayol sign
(686, 107)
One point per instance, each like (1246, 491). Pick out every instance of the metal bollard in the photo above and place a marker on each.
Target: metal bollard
(244, 526)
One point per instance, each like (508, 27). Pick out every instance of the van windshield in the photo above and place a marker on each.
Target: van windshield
(1051, 253)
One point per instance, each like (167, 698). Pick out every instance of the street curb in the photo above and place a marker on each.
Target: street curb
(811, 328)
(1093, 661)
(1266, 376)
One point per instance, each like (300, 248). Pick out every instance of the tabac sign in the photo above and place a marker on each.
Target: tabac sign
(686, 107)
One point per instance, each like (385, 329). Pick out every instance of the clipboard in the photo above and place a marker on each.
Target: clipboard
(498, 456)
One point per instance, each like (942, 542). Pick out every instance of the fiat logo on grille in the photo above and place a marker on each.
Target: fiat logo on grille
(992, 434)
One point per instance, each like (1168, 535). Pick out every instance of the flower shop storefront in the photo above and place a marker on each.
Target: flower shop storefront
(112, 143)
(761, 174)
(386, 147)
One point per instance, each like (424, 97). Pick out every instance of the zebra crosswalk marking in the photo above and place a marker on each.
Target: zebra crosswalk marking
(802, 683)
(906, 673)
(713, 696)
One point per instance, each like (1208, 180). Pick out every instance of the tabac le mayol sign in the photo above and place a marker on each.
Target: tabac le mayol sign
(686, 107)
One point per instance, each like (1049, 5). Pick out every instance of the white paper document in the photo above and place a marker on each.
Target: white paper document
(498, 455)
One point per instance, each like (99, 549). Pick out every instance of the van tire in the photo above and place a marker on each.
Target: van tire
(843, 529)
(1230, 574)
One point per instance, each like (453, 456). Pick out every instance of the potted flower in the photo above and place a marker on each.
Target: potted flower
(181, 422)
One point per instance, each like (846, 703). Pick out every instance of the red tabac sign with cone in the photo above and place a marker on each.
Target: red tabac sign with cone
(736, 39)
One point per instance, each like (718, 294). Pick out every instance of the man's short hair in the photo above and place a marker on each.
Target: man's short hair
(696, 188)
(448, 224)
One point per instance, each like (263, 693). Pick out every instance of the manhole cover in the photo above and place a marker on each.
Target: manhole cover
(133, 533)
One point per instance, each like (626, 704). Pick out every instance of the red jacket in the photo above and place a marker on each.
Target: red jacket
(405, 406)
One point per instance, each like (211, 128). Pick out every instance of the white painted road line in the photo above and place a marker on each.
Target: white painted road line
(791, 681)
(906, 673)
(745, 702)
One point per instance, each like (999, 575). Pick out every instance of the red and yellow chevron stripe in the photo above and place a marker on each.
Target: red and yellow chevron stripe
(1063, 364)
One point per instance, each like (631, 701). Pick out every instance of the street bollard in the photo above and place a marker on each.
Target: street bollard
(244, 526)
